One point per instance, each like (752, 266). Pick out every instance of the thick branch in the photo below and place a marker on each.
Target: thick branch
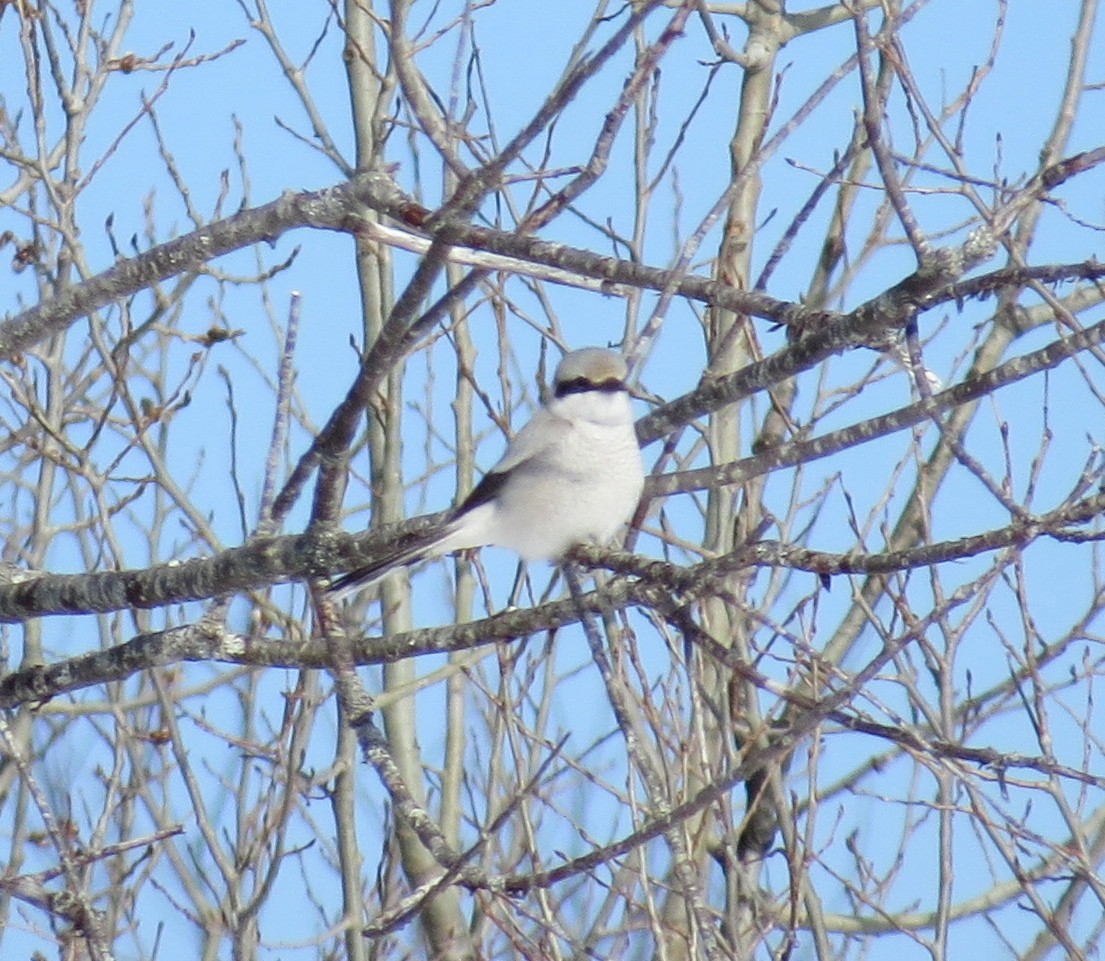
(657, 584)
(333, 208)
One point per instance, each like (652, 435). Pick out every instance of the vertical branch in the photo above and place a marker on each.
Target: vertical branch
(76, 907)
(731, 344)
(452, 775)
(441, 918)
(285, 382)
(875, 88)
(686, 865)
(909, 526)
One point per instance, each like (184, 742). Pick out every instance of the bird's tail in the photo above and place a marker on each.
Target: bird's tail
(404, 555)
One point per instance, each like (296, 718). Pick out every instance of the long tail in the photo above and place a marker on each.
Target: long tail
(402, 556)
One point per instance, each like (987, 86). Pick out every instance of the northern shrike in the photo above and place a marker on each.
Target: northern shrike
(573, 474)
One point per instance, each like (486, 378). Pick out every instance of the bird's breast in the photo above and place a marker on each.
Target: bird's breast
(580, 490)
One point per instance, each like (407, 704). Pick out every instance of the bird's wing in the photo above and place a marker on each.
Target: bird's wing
(542, 432)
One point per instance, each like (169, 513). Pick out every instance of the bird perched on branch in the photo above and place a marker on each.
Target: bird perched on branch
(572, 475)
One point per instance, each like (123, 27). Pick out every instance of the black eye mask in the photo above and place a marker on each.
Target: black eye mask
(580, 385)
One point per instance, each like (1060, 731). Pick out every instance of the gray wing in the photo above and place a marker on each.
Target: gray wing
(542, 432)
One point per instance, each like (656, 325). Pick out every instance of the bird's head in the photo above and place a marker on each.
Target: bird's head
(591, 384)
(590, 369)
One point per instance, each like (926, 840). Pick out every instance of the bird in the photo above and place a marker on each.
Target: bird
(573, 474)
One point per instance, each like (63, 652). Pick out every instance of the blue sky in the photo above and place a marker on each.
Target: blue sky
(520, 55)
